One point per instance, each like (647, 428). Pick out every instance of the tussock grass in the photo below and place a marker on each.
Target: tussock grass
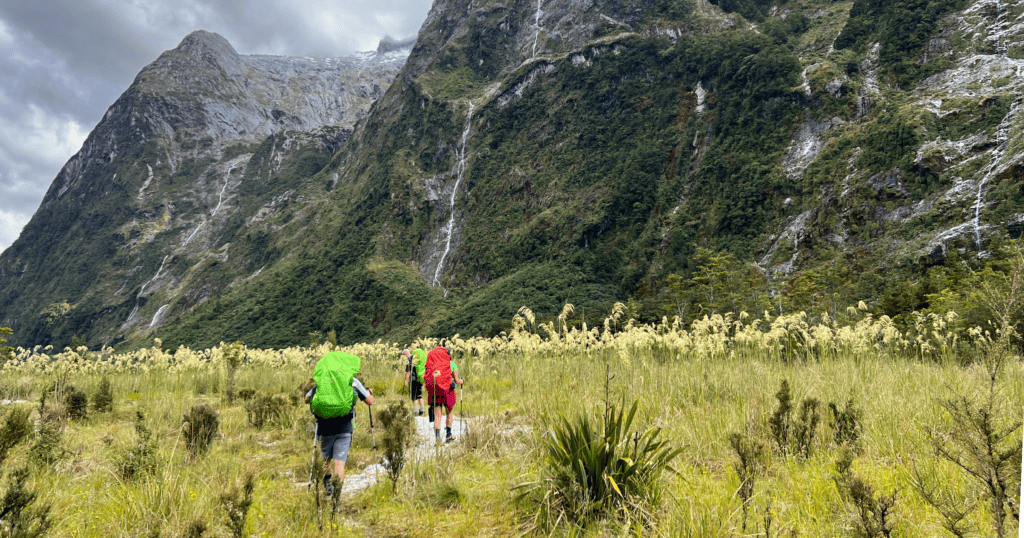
(698, 386)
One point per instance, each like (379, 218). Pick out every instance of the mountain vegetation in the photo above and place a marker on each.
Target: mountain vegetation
(686, 158)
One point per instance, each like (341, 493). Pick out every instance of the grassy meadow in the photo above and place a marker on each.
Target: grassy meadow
(852, 448)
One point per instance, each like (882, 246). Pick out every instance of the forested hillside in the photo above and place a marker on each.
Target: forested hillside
(685, 157)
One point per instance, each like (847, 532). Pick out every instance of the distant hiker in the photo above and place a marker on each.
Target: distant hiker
(440, 376)
(414, 370)
(332, 401)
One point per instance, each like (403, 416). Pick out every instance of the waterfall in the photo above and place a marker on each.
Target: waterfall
(1000, 29)
(220, 197)
(460, 169)
(1002, 140)
(156, 316)
(143, 289)
(194, 233)
(536, 23)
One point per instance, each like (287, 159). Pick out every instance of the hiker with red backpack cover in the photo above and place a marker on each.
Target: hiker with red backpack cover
(332, 402)
(440, 377)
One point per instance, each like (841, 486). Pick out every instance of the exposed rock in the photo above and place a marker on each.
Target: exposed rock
(803, 149)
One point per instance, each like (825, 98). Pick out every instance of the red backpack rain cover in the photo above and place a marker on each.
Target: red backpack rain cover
(440, 363)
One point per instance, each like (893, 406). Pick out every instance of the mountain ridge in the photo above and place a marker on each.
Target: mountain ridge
(520, 160)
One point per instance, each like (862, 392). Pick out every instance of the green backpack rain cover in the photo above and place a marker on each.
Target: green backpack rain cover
(421, 363)
(333, 377)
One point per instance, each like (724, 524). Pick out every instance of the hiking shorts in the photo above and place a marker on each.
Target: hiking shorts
(416, 389)
(441, 396)
(336, 447)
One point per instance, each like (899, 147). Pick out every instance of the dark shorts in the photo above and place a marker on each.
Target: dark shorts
(336, 447)
(438, 396)
(416, 389)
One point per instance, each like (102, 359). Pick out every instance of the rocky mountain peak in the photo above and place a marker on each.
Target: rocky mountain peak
(389, 44)
(201, 41)
(203, 50)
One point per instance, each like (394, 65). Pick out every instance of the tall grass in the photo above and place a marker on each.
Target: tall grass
(698, 386)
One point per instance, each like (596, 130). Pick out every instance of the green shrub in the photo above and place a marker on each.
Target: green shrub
(267, 410)
(199, 427)
(593, 470)
(396, 420)
(103, 399)
(806, 427)
(873, 515)
(236, 503)
(232, 360)
(780, 419)
(751, 454)
(247, 393)
(846, 426)
(20, 515)
(16, 428)
(46, 450)
(140, 458)
(77, 403)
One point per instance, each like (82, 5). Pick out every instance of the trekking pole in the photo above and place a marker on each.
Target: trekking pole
(462, 416)
(312, 465)
(372, 438)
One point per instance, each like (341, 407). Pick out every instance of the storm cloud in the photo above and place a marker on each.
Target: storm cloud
(63, 62)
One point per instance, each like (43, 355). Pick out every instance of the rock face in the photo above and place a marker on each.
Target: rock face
(185, 166)
(528, 152)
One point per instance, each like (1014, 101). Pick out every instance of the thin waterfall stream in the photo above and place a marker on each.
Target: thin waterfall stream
(536, 23)
(460, 169)
(143, 289)
(1002, 140)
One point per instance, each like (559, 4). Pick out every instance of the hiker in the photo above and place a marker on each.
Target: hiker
(440, 376)
(414, 369)
(335, 409)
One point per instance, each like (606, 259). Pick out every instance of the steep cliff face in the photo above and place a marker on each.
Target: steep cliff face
(171, 197)
(539, 152)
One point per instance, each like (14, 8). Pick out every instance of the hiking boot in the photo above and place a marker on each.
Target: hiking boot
(449, 438)
(419, 413)
(328, 486)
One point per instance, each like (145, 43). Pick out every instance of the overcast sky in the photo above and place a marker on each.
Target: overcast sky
(63, 62)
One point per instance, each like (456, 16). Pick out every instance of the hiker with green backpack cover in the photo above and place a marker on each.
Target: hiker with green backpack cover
(414, 374)
(332, 401)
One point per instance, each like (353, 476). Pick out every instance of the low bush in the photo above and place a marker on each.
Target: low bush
(103, 399)
(396, 419)
(199, 427)
(266, 410)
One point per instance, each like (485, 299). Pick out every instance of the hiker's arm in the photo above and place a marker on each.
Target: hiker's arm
(406, 383)
(309, 395)
(458, 378)
(364, 393)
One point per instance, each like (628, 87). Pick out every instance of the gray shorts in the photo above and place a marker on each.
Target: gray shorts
(336, 446)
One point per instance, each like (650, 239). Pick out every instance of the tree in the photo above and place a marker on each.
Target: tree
(6, 352)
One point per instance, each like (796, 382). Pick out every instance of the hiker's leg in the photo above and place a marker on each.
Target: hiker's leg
(450, 401)
(438, 416)
(342, 443)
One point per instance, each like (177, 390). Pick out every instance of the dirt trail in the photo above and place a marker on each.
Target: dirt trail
(423, 448)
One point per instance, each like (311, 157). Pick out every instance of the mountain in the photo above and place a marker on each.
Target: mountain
(176, 180)
(688, 156)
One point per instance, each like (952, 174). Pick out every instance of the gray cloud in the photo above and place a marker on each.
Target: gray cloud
(64, 62)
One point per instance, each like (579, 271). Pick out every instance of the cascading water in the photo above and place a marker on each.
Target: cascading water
(220, 197)
(143, 289)
(536, 23)
(460, 169)
(156, 316)
(1002, 139)
(1000, 28)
